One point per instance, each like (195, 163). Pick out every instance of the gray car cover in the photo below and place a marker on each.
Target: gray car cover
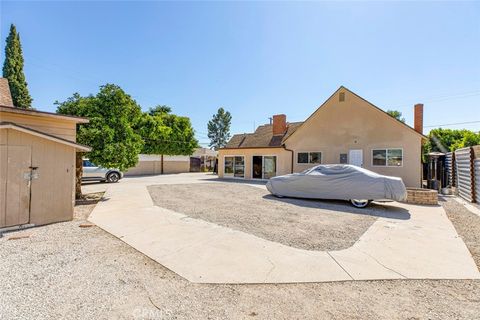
(338, 181)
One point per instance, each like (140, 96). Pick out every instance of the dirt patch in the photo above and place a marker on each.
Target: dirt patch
(65, 272)
(305, 224)
(84, 206)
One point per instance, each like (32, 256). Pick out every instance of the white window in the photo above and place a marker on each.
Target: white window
(234, 166)
(309, 157)
(387, 157)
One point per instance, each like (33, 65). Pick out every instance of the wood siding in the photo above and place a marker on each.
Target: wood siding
(59, 128)
(52, 193)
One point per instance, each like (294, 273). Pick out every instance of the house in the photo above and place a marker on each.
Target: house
(37, 164)
(345, 129)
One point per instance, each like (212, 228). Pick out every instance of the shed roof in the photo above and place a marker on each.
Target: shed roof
(13, 126)
(5, 96)
(37, 113)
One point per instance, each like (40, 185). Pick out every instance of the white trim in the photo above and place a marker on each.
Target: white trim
(46, 136)
(386, 158)
(266, 155)
(233, 174)
(308, 163)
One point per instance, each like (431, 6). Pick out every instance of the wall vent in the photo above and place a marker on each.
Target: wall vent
(341, 97)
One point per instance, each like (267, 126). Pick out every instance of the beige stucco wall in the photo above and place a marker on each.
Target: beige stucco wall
(336, 128)
(154, 167)
(58, 127)
(52, 194)
(283, 159)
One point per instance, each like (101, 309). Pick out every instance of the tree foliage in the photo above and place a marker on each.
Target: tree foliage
(166, 133)
(396, 114)
(445, 140)
(219, 129)
(113, 115)
(13, 70)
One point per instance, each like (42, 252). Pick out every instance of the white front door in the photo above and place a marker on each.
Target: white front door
(355, 157)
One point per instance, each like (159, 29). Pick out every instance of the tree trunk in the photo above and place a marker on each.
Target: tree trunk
(78, 175)
(161, 164)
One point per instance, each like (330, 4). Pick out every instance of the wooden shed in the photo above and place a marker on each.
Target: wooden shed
(37, 164)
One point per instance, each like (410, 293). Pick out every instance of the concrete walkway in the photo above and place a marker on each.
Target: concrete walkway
(424, 247)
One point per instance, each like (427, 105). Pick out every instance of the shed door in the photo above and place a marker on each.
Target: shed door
(356, 157)
(15, 162)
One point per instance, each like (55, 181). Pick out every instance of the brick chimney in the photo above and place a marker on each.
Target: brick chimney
(279, 124)
(418, 118)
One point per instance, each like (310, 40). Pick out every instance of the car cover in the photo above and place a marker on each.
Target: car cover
(343, 182)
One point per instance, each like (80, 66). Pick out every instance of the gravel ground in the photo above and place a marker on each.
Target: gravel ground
(65, 272)
(467, 225)
(305, 224)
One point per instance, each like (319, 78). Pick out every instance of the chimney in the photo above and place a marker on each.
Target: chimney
(279, 124)
(418, 118)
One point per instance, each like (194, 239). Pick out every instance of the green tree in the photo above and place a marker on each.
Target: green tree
(165, 133)
(219, 129)
(159, 110)
(110, 132)
(396, 114)
(13, 70)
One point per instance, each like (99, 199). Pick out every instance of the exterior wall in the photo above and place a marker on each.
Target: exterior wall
(151, 164)
(52, 193)
(284, 159)
(337, 127)
(57, 127)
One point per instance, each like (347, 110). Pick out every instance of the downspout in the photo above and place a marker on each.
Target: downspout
(286, 149)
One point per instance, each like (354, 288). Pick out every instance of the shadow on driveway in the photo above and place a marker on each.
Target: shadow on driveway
(375, 209)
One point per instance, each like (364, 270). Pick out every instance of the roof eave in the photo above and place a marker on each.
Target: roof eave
(13, 126)
(29, 112)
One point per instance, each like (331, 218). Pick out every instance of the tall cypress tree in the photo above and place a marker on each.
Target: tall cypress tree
(13, 71)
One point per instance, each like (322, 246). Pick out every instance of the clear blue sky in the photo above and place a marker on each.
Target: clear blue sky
(255, 59)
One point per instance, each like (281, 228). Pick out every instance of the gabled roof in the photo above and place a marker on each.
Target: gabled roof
(262, 137)
(13, 126)
(406, 126)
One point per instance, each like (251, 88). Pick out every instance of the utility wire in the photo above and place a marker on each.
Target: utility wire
(451, 124)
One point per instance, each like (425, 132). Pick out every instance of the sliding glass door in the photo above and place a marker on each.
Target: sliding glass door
(234, 166)
(264, 167)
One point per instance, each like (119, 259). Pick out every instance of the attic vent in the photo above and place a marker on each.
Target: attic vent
(341, 97)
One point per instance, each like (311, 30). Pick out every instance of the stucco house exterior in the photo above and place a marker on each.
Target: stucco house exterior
(345, 129)
(37, 164)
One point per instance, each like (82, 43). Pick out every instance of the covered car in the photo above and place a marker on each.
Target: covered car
(339, 182)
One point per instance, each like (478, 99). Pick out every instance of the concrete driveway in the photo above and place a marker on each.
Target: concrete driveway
(426, 246)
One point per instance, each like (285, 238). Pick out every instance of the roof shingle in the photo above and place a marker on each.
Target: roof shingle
(262, 137)
(5, 96)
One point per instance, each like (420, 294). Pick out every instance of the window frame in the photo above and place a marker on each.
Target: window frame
(386, 158)
(308, 156)
(232, 175)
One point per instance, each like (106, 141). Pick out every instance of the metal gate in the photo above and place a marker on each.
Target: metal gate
(477, 179)
(464, 174)
(450, 169)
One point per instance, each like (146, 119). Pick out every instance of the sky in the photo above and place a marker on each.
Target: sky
(255, 59)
